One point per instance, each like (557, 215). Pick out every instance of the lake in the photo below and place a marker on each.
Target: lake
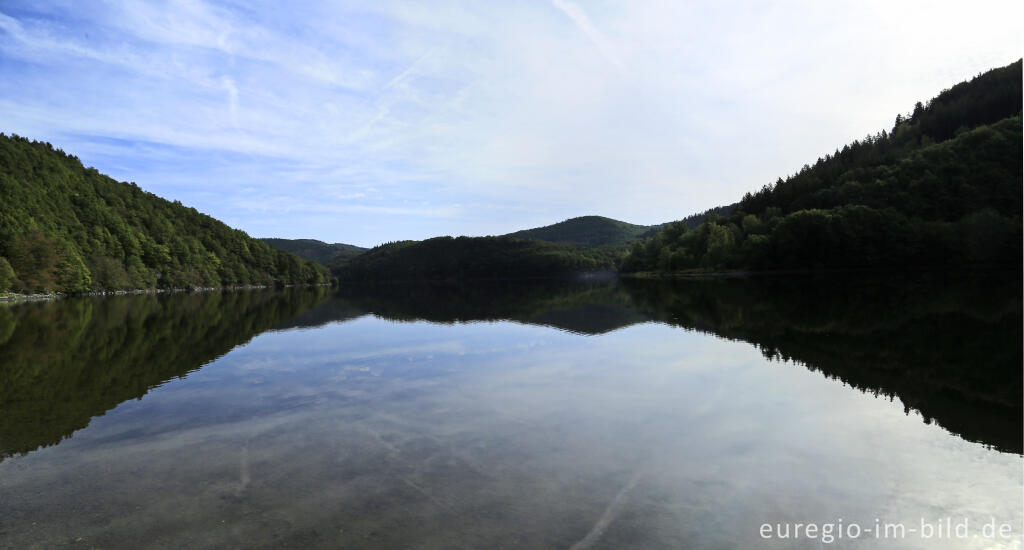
(718, 413)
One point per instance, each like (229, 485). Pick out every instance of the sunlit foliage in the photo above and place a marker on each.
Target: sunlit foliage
(67, 228)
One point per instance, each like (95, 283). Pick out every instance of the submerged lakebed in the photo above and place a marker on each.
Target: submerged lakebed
(633, 414)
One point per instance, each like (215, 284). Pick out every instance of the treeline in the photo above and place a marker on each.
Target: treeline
(944, 187)
(694, 220)
(448, 258)
(67, 228)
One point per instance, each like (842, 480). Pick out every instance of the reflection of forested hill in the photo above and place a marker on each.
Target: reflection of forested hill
(945, 346)
(581, 308)
(949, 349)
(331, 310)
(64, 362)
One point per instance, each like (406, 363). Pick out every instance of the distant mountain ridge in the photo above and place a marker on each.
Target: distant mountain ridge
(465, 258)
(586, 231)
(314, 250)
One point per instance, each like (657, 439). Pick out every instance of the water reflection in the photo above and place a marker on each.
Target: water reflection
(582, 308)
(64, 362)
(351, 422)
(946, 346)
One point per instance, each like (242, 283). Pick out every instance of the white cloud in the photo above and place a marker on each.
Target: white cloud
(644, 111)
(579, 17)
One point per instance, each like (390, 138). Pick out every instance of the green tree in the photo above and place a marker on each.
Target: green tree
(721, 243)
(6, 275)
(943, 188)
(67, 228)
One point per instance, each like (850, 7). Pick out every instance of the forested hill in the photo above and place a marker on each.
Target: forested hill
(694, 220)
(463, 258)
(314, 250)
(942, 187)
(67, 228)
(588, 231)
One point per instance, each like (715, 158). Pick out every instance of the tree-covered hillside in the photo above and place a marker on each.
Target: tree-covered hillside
(447, 258)
(67, 228)
(588, 231)
(943, 187)
(694, 220)
(316, 251)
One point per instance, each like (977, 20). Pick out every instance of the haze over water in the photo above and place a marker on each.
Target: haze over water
(513, 415)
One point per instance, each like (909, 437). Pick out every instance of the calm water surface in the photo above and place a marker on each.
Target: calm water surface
(601, 415)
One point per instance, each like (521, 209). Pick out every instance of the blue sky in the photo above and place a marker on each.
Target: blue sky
(366, 122)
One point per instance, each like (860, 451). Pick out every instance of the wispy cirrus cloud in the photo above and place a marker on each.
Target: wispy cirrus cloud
(371, 122)
(579, 17)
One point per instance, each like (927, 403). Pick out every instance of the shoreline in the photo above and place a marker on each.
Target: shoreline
(15, 298)
(740, 273)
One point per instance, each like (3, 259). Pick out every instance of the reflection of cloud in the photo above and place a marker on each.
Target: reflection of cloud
(685, 106)
(642, 451)
(332, 356)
